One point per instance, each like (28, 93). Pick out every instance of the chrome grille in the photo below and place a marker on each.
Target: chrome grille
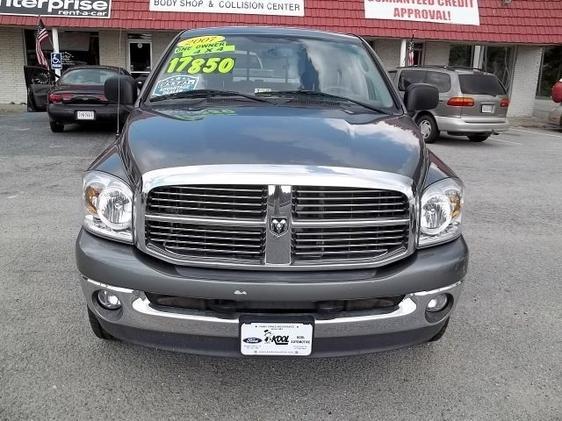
(206, 241)
(213, 201)
(348, 203)
(337, 243)
(280, 224)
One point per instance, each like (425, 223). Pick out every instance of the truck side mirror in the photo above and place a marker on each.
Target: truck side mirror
(421, 96)
(122, 89)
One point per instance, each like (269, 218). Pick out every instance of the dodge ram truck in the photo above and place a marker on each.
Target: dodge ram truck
(294, 211)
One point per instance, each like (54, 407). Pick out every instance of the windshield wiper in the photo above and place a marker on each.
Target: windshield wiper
(319, 94)
(206, 93)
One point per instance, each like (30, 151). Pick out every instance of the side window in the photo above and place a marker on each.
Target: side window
(407, 77)
(442, 81)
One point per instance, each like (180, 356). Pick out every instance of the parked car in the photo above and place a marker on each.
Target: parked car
(301, 216)
(38, 82)
(471, 102)
(78, 96)
(555, 116)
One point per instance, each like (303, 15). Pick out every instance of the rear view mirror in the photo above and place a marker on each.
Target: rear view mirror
(121, 89)
(421, 96)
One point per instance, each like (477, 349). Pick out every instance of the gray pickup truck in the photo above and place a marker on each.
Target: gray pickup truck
(298, 213)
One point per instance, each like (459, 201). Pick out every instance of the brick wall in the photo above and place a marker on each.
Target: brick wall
(389, 52)
(110, 53)
(525, 79)
(436, 53)
(12, 60)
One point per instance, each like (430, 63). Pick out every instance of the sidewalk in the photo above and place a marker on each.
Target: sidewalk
(12, 108)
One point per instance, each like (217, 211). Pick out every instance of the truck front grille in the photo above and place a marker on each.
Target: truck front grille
(276, 226)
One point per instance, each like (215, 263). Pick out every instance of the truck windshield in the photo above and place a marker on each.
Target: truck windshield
(254, 65)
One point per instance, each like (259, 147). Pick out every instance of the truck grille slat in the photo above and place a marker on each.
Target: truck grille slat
(189, 242)
(214, 201)
(319, 203)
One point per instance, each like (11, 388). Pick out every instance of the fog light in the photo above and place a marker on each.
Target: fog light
(108, 300)
(438, 303)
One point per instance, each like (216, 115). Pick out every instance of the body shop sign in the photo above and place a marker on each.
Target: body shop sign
(59, 8)
(460, 12)
(246, 7)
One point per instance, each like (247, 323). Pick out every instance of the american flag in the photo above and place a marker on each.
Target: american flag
(41, 36)
(410, 58)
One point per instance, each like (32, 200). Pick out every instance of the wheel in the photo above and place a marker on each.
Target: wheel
(56, 127)
(428, 128)
(440, 334)
(478, 137)
(96, 327)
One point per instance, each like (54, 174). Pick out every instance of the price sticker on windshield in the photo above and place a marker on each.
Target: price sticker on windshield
(195, 66)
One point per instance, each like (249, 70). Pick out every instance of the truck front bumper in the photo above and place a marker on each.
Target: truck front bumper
(127, 273)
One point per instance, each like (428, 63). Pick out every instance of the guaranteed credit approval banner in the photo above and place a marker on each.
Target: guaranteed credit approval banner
(247, 7)
(460, 12)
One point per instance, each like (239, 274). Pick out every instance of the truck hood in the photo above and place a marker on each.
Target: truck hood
(174, 136)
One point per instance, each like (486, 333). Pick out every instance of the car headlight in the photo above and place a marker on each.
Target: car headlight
(441, 212)
(108, 206)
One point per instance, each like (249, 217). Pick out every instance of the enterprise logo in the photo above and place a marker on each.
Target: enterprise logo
(77, 8)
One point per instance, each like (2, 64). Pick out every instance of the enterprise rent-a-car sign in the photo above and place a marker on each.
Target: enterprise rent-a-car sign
(247, 7)
(60, 8)
(460, 12)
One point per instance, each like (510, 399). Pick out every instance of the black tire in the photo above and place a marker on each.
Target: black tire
(440, 334)
(56, 127)
(428, 127)
(96, 327)
(478, 137)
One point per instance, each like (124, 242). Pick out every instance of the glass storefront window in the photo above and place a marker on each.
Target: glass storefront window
(551, 69)
(499, 60)
(460, 55)
(77, 48)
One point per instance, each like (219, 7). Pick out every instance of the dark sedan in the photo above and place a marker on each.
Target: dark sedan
(78, 96)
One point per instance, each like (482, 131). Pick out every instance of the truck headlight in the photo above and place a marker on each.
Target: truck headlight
(108, 206)
(441, 213)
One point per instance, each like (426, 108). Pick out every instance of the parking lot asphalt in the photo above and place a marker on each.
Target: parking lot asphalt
(500, 359)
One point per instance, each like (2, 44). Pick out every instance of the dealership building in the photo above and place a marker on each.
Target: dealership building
(518, 40)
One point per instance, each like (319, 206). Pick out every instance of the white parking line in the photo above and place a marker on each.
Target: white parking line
(537, 133)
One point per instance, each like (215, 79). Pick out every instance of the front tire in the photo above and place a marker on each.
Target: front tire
(428, 128)
(478, 137)
(56, 127)
(98, 330)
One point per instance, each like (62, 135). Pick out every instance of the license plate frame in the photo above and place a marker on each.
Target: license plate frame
(85, 115)
(286, 336)
(488, 108)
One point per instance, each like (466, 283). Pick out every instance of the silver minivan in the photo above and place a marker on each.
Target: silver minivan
(471, 102)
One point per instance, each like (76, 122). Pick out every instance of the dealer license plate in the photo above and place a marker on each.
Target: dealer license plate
(487, 108)
(85, 115)
(266, 338)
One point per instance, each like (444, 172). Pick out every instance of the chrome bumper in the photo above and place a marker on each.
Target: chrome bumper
(460, 125)
(137, 312)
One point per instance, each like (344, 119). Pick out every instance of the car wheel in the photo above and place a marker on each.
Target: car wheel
(440, 334)
(57, 127)
(428, 128)
(97, 328)
(478, 137)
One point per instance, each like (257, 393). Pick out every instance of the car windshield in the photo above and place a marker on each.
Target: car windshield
(266, 65)
(87, 76)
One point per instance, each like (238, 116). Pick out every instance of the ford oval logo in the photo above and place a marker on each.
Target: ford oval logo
(252, 340)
